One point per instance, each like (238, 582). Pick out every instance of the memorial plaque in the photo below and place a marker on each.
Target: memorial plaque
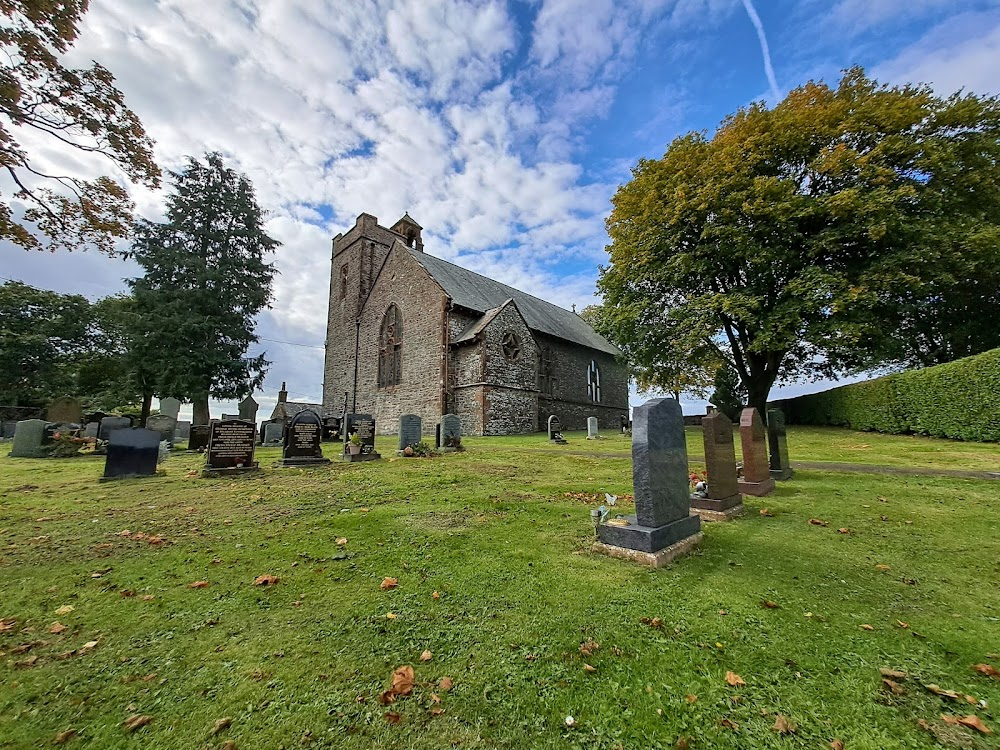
(410, 429)
(364, 426)
(302, 440)
(198, 437)
(230, 447)
(555, 430)
(132, 452)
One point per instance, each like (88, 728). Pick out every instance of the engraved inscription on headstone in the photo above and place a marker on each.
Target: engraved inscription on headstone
(364, 426)
(230, 447)
(302, 440)
(409, 430)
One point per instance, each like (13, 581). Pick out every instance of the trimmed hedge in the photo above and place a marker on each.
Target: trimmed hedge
(959, 400)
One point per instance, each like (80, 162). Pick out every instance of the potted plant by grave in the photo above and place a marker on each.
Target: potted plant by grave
(354, 444)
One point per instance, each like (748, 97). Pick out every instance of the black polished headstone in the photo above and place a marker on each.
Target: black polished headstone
(410, 429)
(555, 430)
(777, 441)
(198, 437)
(132, 452)
(230, 447)
(302, 440)
(331, 429)
(364, 426)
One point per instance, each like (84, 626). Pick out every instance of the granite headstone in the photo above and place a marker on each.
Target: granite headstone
(592, 428)
(723, 500)
(273, 433)
(163, 424)
(28, 437)
(199, 437)
(555, 430)
(364, 426)
(410, 430)
(110, 424)
(91, 429)
(182, 430)
(170, 406)
(302, 440)
(777, 441)
(756, 470)
(230, 448)
(132, 452)
(7, 429)
(248, 409)
(449, 433)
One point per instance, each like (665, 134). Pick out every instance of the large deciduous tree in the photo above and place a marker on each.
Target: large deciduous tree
(206, 278)
(48, 105)
(807, 239)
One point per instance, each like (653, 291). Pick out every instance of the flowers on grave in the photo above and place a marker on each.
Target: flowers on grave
(67, 444)
(699, 483)
(356, 439)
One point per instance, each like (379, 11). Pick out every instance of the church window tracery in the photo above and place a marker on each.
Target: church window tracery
(511, 345)
(390, 366)
(594, 382)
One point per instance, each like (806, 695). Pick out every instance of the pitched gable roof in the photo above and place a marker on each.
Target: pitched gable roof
(481, 294)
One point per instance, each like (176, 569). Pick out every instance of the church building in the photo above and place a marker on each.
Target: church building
(409, 333)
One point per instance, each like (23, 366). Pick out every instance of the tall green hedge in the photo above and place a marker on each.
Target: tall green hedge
(959, 400)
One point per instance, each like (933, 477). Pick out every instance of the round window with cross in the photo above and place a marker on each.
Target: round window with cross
(511, 345)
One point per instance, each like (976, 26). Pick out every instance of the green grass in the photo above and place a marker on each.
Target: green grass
(302, 663)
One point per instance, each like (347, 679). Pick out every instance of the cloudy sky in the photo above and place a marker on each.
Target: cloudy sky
(502, 127)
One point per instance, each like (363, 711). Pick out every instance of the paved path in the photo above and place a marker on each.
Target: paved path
(911, 471)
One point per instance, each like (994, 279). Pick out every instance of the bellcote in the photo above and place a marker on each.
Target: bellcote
(410, 230)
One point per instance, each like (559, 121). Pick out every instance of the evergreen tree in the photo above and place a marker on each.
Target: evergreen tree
(729, 395)
(206, 278)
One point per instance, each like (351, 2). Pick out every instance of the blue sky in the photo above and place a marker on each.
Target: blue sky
(504, 128)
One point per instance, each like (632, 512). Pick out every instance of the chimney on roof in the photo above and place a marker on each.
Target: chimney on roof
(282, 394)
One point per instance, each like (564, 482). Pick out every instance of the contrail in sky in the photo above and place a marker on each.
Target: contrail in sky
(755, 20)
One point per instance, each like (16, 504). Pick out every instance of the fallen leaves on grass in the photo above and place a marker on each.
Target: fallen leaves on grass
(972, 721)
(63, 610)
(435, 595)
(589, 668)
(883, 567)
(837, 745)
(768, 604)
(902, 625)
(7, 623)
(64, 736)
(388, 583)
(198, 585)
(843, 530)
(221, 724)
(341, 541)
(135, 721)
(426, 655)
(893, 687)
(57, 628)
(267, 579)
(393, 718)
(894, 674)
(866, 627)
(985, 669)
(653, 622)
(589, 647)
(26, 663)
(818, 522)
(734, 680)
(445, 684)
(766, 512)
(937, 690)
(691, 698)
(783, 726)
(729, 724)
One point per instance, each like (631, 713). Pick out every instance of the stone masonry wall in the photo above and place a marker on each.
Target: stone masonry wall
(570, 401)
(511, 393)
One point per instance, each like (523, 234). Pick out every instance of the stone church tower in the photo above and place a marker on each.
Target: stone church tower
(410, 333)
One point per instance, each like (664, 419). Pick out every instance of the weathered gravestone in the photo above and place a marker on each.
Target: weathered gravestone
(663, 526)
(448, 433)
(170, 406)
(110, 424)
(302, 441)
(28, 437)
(163, 424)
(132, 452)
(756, 471)
(273, 433)
(182, 430)
(781, 469)
(363, 425)
(65, 410)
(592, 428)
(91, 429)
(199, 437)
(722, 500)
(230, 448)
(410, 429)
(248, 409)
(555, 430)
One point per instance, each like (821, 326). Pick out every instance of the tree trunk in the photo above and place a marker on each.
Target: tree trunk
(147, 403)
(757, 392)
(201, 414)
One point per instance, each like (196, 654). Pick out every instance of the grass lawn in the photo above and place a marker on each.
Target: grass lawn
(493, 531)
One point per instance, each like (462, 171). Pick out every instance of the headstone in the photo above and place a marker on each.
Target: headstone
(273, 433)
(722, 499)
(7, 429)
(66, 410)
(781, 469)
(449, 433)
(555, 430)
(410, 430)
(132, 452)
(110, 424)
(248, 409)
(28, 436)
(302, 440)
(96, 416)
(364, 426)
(91, 430)
(170, 406)
(228, 417)
(199, 437)
(182, 430)
(756, 471)
(163, 424)
(331, 429)
(662, 526)
(625, 423)
(592, 428)
(230, 448)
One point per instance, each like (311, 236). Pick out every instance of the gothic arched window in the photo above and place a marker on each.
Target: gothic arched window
(390, 364)
(594, 382)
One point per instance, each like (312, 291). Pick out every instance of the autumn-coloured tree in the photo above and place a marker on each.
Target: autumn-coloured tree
(41, 101)
(798, 240)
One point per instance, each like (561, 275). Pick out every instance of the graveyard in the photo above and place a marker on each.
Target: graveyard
(273, 607)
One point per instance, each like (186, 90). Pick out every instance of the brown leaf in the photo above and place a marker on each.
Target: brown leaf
(8, 623)
(341, 541)
(386, 697)
(229, 745)
(27, 663)
(435, 595)
(942, 692)
(436, 711)
(974, 722)
(435, 698)
(147, 597)
(135, 721)
(843, 530)
(893, 687)
(57, 628)
(768, 604)
(88, 646)
(198, 585)
(426, 656)
(221, 724)
(902, 625)
(589, 647)
(388, 583)
(126, 593)
(402, 680)
(817, 522)
(589, 668)
(64, 736)
(63, 610)
(837, 745)
(987, 669)
(392, 717)
(683, 743)
(691, 698)
(924, 724)
(971, 699)
(883, 567)
(729, 724)
(766, 512)
(866, 627)
(894, 674)
(783, 726)
(734, 680)
(267, 579)
(445, 684)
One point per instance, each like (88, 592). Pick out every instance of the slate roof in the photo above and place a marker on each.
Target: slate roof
(476, 326)
(294, 407)
(481, 294)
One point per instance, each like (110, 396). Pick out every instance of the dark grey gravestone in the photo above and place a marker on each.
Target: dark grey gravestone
(65, 410)
(450, 432)
(7, 429)
(91, 430)
(592, 428)
(781, 469)
(28, 437)
(302, 441)
(410, 429)
(720, 465)
(163, 424)
(182, 430)
(132, 452)
(555, 430)
(364, 426)
(110, 424)
(331, 429)
(661, 481)
(170, 406)
(248, 409)
(228, 418)
(198, 439)
(230, 448)
(273, 433)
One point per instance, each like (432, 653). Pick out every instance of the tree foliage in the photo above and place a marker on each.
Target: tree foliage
(206, 278)
(729, 395)
(44, 103)
(789, 241)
